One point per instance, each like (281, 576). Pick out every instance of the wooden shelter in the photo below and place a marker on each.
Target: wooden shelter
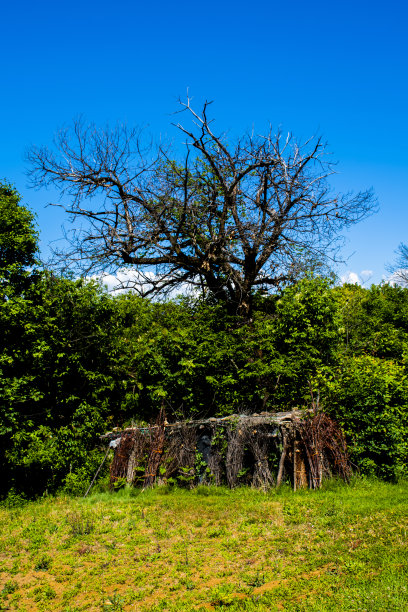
(261, 450)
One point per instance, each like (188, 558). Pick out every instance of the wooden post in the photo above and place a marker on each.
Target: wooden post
(299, 467)
(319, 470)
(282, 459)
(130, 474)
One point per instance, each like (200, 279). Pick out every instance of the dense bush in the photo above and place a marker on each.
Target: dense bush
(369, 398)
(75, 361)
(57, 386)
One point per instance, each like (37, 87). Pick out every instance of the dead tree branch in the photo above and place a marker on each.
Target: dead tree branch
(232, 216)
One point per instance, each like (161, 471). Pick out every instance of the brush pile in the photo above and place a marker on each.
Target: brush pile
(261, 450)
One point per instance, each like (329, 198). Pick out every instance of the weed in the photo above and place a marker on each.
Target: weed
(44, 593)
(134, 492)
(114, 603)
(222, 596)
(9, 588)
(80, 524)
(255, 580)
(35, 533)
(84, 549)
(203, 490)
(294, 513)
(216, 532)
(119, 483)
(43, 563)
(15, 568)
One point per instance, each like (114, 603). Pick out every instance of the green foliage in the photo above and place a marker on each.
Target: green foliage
(14, 499)
(75, 361)
(195, 357)
(76, 483)
(57, 356)
(43, 563)
(119, 483)
(18, 242)
(115, 603)
(306, 336)
(186, 476)
(369, 398)
(374, 321)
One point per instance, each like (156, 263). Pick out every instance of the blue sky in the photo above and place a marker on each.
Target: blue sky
(336, 69)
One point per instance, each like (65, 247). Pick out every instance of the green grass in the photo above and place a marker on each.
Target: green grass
(341, 548)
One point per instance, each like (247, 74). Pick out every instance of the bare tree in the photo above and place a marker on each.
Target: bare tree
(229, 217)
(399, 270)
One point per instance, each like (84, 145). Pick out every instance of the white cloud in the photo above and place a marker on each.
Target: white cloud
(130, 280)
(123, 280)
(351, 278)
(354, 278)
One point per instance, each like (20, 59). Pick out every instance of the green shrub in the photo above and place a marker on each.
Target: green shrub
(15, 499)
(369, 398)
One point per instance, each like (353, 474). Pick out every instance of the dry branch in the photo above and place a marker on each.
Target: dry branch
(242, 450)
(230, 217)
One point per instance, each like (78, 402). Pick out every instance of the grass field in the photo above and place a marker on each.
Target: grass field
(341, 548)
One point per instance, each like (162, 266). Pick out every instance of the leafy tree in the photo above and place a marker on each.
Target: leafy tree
(369, 398)
(75, 361)
(58, 386)
(230, 218)
(18, 241)
(374, 321)
(195, 358)
(307, 337)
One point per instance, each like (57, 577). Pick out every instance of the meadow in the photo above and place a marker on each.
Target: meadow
(339, 548)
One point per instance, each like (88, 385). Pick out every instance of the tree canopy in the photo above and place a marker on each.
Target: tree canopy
(230, 216)
(18, 240)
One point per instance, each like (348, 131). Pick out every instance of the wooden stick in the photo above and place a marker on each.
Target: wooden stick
(97, 471)
(282, 459)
